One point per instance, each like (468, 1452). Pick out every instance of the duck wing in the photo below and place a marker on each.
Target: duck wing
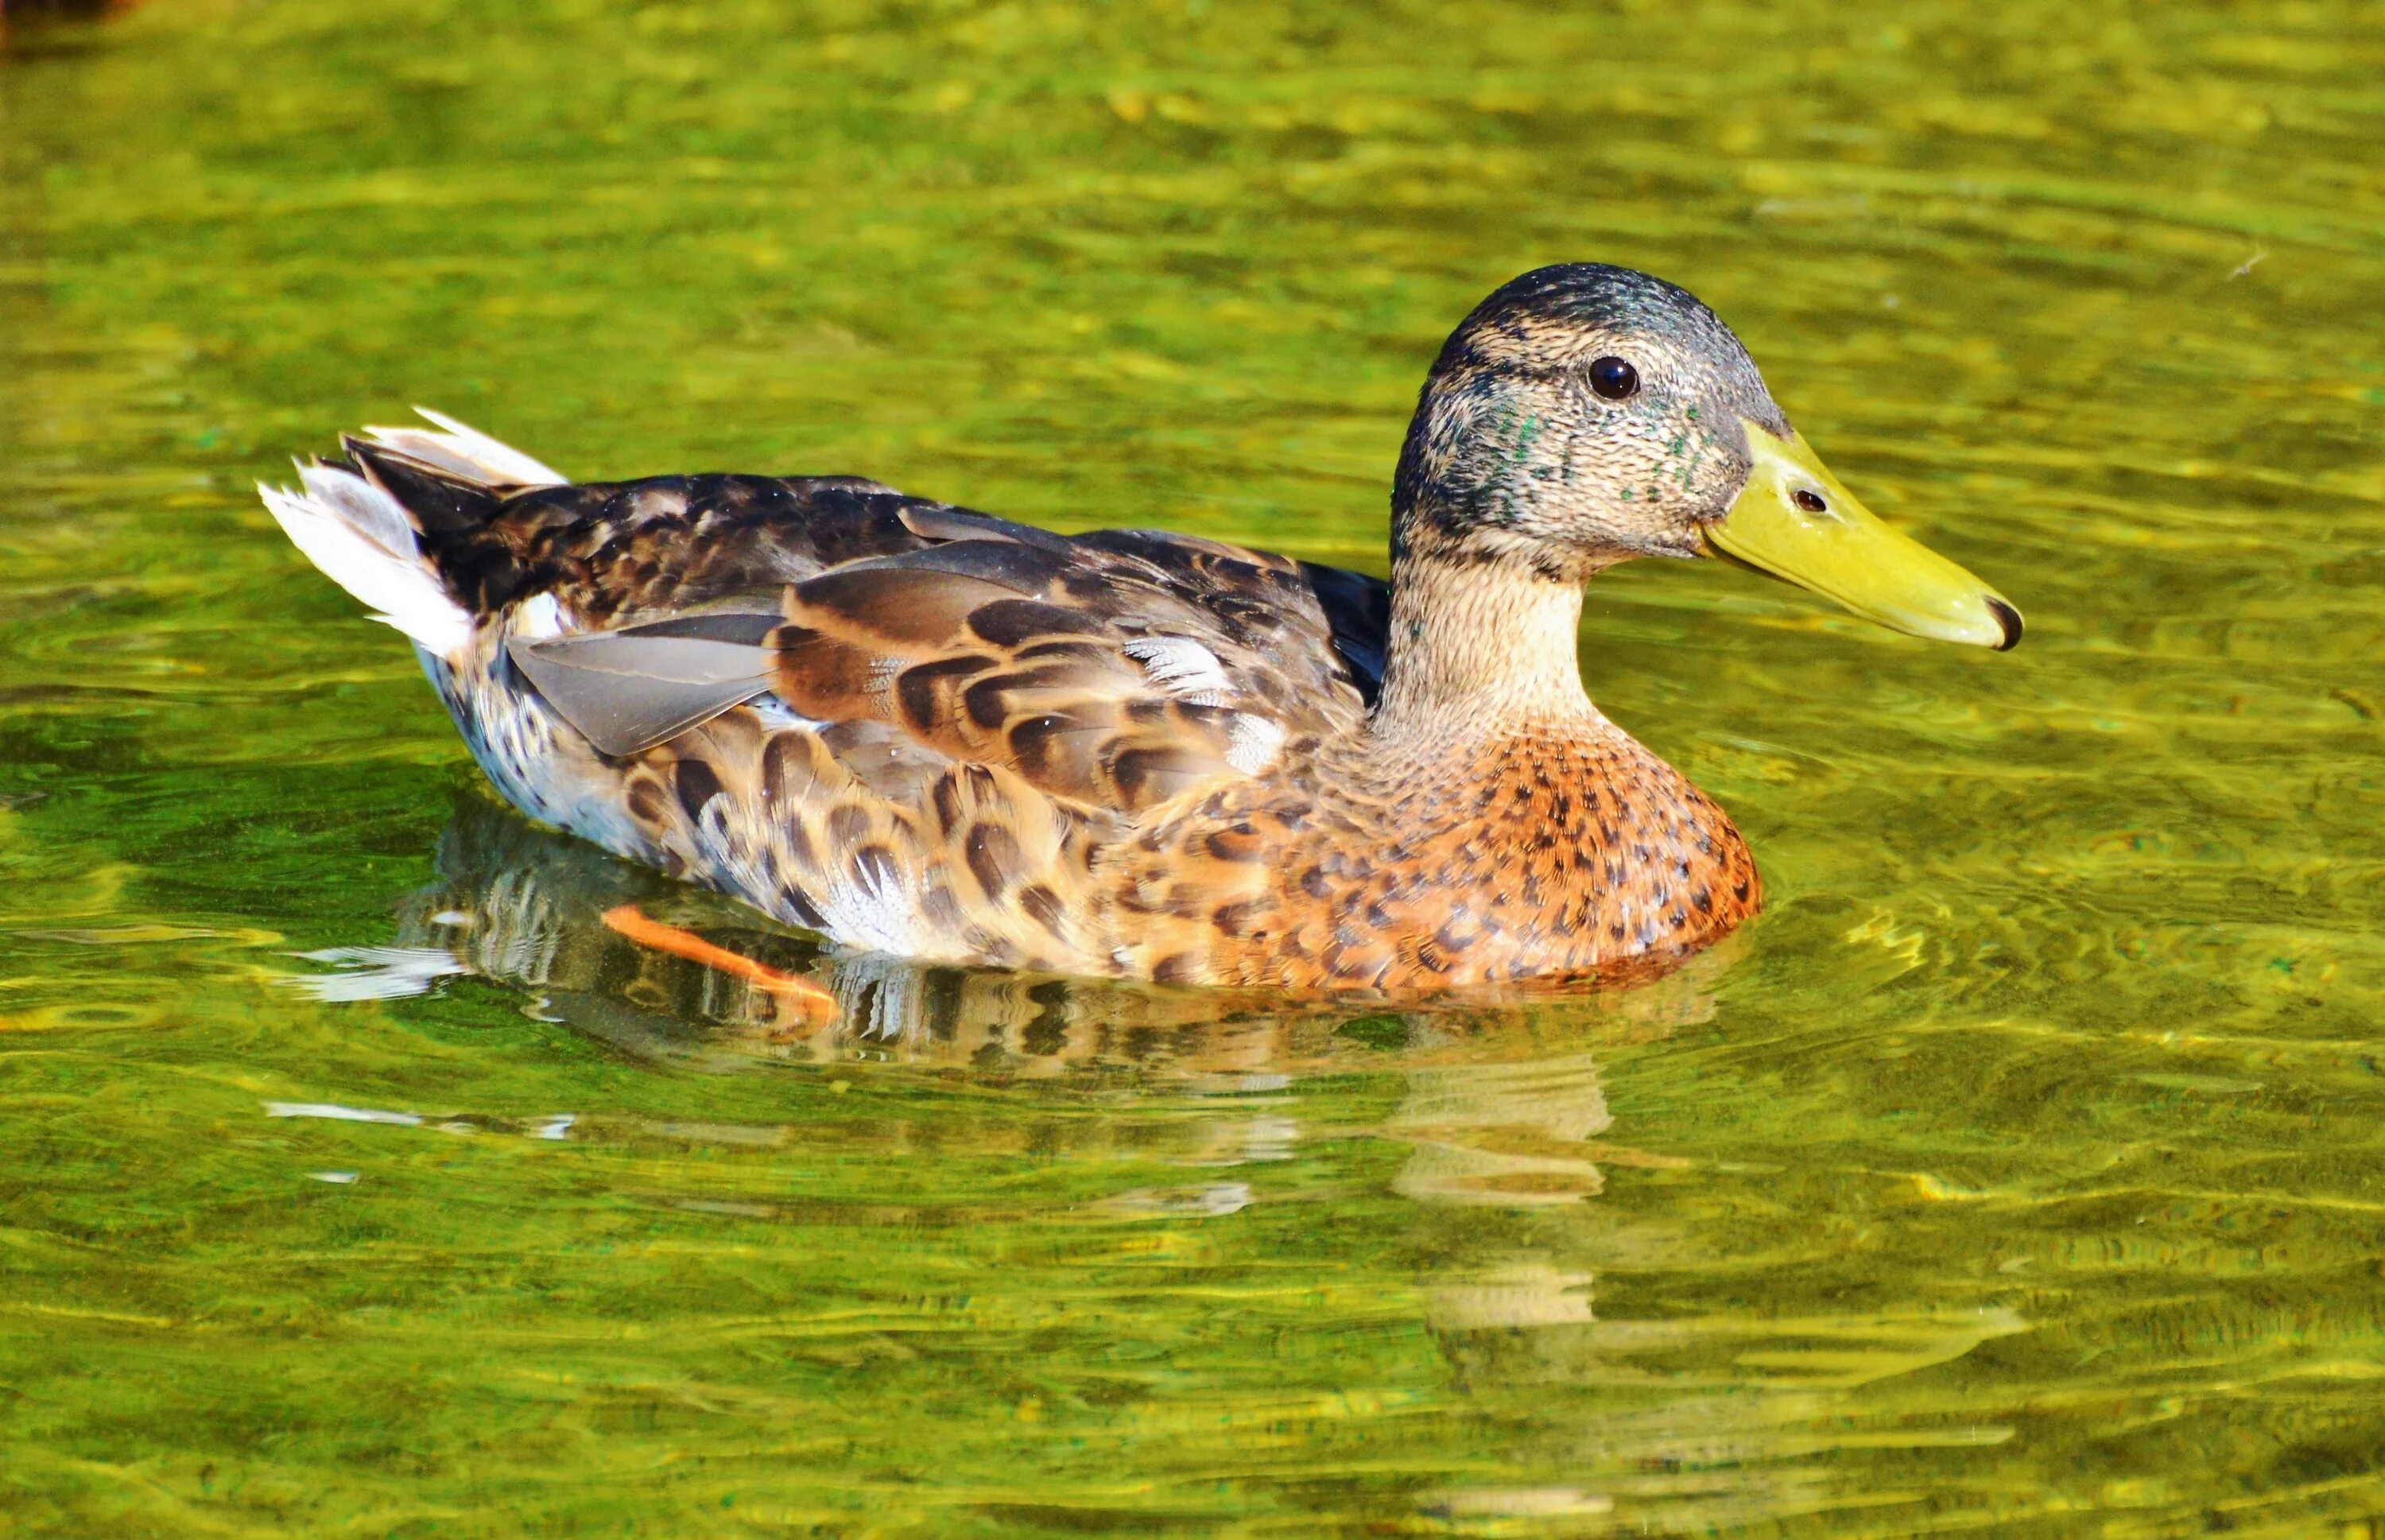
(628, 690)
(1115, 669)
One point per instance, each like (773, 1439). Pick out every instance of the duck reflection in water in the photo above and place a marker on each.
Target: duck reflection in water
(1503, 1107)
(1507, 1139)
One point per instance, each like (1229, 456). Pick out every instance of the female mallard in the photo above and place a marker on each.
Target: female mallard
(929, 731)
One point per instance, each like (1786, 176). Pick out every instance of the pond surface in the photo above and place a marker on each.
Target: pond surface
(2022, 1170)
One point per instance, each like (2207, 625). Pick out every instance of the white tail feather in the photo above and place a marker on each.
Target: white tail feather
(466, 452)
(374, 513)
(362, 540)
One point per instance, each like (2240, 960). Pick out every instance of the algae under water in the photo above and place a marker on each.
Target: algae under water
(2022, 1169)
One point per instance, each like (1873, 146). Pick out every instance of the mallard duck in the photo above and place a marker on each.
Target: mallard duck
(929, 731)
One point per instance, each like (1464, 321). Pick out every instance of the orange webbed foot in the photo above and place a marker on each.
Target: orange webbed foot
(813, 1002)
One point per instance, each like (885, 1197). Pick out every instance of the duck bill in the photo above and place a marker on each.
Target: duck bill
(1796, 522)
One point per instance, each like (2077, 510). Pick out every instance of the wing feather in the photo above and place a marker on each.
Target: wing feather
(1114, 671)
(627, 691)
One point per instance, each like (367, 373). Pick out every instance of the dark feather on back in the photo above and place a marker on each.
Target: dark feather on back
(645, 553)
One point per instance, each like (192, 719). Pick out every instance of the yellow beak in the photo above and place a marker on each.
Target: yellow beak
(1796, 522)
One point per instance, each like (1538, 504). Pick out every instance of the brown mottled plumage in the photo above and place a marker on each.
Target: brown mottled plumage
(925, 730)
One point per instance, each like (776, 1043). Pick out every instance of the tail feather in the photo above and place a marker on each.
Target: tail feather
(347, 520)
(443, 508)
(467, 452)
(359, 537)
(371, 512)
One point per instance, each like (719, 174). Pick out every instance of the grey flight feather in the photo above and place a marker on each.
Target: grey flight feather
(626, 691)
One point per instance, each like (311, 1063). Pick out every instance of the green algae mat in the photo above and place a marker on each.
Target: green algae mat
(2020, 1172)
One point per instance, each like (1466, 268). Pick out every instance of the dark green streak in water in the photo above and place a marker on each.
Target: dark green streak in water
(2023, 1169)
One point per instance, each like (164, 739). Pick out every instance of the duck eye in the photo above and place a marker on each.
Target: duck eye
(1614, 378)
(1811, 502)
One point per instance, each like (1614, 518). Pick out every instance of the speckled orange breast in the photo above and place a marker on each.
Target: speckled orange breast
(1557, 850)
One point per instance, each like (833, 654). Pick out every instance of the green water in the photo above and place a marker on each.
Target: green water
(2021, 1171)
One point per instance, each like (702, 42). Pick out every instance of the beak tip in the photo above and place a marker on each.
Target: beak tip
(2009, 620)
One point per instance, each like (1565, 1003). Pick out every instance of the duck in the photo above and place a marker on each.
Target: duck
(919, 730)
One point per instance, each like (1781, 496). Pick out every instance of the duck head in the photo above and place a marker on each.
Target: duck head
(1585, 414)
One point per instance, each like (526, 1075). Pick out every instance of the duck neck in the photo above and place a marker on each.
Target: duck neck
(1481, 646)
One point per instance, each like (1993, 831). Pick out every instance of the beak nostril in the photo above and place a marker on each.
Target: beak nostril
(1809, 500)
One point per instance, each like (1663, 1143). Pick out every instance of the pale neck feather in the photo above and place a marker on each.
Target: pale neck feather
(1481, 649)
